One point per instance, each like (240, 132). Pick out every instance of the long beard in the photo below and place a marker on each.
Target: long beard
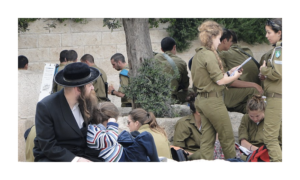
(88, 105)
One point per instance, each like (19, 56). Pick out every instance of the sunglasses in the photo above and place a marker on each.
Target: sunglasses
(273, 24)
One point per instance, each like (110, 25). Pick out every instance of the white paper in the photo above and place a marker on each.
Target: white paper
(47, 81)
(240, 66)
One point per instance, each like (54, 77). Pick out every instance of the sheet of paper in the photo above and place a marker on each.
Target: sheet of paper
(247, 60)
(47, 81)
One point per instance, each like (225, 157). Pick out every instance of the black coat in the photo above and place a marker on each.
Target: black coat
(58, 137)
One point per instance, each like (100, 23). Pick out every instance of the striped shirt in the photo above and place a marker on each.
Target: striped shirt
(105, 140)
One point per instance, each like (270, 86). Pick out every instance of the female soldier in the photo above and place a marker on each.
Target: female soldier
(187, 133)
(141, 120)
(251, 128)
(209, 79)
(271, 73)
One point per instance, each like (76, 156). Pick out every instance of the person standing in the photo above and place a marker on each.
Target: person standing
(100, 84)
(70, 56)
(119, 64)
(209, 79)
(271, 74)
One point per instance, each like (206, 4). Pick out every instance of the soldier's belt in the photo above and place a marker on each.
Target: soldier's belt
(276, 95)
(210, 94)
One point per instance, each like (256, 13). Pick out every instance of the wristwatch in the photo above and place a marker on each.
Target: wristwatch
(112, 92)
(228, 74)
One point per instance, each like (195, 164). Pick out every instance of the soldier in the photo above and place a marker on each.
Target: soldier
(22, 62)
(239, 91)
(271, 73)
(209, 79)
(118, 63)
(70, 56)
(100, 84)
(174, 63)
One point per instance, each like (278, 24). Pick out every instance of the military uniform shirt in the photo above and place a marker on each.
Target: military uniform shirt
(99, 86)
(252, 132)
(124, 81)
(234, 57)
(273, 71)
(181, 66)
(187, 135)
(206, 71)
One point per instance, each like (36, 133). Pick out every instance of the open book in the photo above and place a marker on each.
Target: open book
(247, 60)
(243, 149)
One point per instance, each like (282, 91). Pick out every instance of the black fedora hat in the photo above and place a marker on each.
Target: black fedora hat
(76, 74)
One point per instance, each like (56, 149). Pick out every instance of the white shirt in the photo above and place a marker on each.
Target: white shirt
(79, 119)
(78, 116)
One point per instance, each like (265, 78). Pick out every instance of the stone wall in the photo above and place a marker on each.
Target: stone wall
(42, 46)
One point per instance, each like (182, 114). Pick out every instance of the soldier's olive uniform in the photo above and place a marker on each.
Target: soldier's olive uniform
(99, 86)
(182, 80)
(273, 113)
(209, 103)
(234, 57)
(187, 135)
(124, 81)
(235, 99)
(253, 132)
(56, 87)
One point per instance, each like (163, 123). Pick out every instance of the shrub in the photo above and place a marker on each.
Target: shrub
(151, 89)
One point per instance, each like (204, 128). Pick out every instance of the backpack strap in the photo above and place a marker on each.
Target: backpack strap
(106, 86)
(257, 64)
(170, 60)
(124, 72)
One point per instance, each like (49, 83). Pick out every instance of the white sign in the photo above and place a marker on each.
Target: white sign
(47, 81)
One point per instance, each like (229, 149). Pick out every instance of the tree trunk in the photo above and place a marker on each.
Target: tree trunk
(138, 44)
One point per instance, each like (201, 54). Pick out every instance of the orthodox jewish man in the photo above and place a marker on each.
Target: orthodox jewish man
(61, 118)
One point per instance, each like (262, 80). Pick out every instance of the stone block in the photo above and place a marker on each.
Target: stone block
(29, 83)
(157, 35)
(124, 111)
(49, 40)
(23, 125)
(61, 28)
(66, 40)
(101, 52)
(27, 41)
(156, 47)
(115, 37)
(37, 27)
(92, 25)
(235, 119)
(86, 39)
(122, 49)
(36, 54)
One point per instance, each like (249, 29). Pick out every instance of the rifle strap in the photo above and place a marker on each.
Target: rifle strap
(257, 64)
(170, 60)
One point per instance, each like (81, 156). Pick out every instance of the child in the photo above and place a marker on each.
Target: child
(103, 135)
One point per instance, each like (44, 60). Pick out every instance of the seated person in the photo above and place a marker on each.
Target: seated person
(143, 121)
(187, 133)
(103, 135)
(252, 125)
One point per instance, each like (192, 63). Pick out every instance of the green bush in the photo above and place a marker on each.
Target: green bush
(185, 30)
(151, 90)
